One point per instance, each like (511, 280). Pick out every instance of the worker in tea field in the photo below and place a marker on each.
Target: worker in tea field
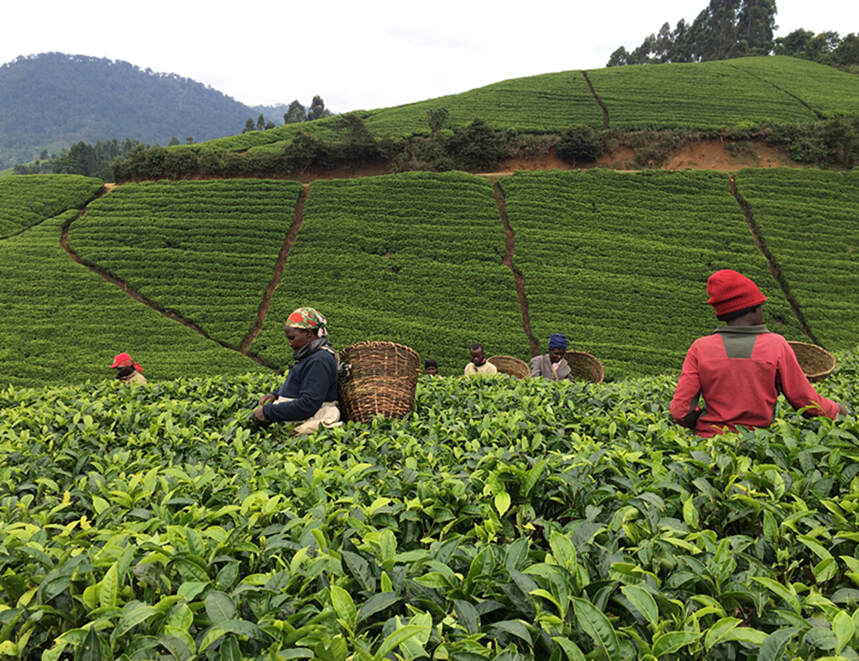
(127, 371)
(478, 363)
(553, 365)
(430, 368)
(308, 397)
(741, 367)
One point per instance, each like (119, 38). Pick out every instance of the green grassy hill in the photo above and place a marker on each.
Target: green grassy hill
(616, 261)
(710, 95)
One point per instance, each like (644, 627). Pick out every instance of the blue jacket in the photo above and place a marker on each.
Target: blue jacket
(311, 381)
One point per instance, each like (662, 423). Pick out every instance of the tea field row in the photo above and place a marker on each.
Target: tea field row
(205, 249)
(62, 323)
(413, 258)
(501, 520)
(28, 200)
(616, 261)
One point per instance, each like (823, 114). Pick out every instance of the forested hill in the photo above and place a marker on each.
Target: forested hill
(54, 100)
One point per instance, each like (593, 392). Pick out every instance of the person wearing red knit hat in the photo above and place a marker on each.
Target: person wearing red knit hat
(741, 368)
(127, 371)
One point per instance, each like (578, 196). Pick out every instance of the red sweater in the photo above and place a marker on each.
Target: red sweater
(739, 371)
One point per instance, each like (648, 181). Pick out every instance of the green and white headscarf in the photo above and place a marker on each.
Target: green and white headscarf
(309, 319)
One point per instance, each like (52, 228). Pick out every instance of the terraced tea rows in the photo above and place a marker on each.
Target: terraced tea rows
(206, 249)
(706, 95)
(826, 90)
(63, 324)
(412, 258)
(618, 261)
(539, 104)
(26, 200)
(808, 221)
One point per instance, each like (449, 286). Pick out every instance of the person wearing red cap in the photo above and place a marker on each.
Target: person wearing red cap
(127, 370)
(741, 368)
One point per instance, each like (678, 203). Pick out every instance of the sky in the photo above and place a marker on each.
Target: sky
(363, 55)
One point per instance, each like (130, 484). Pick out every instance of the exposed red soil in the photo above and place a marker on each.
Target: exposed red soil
(698, 155)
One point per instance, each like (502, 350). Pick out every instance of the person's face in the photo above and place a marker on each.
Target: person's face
(432, 370)
(556, 354)
(298, 337)
(124, 370)
(758, 316)
(477, 356)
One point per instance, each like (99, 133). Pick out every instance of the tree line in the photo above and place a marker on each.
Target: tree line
(737, 28)
(295, 114)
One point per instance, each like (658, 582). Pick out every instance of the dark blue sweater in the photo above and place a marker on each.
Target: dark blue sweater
(311, 381)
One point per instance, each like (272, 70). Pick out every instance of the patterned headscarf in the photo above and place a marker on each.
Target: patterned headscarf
(309, 319)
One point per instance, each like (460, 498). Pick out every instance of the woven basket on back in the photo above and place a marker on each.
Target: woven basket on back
(585, 366)
(815, 361)
(511, 365)
(377, 378)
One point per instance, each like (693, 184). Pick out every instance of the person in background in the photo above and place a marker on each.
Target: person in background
(127, 371)
(479, 364)
(430, 368)
(741, 367)
(552, 365)
(308, 397)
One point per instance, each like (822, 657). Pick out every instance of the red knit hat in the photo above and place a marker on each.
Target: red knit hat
(731, 291)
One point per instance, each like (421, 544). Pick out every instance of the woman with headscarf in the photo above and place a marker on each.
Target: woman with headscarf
(308, 397)
(127, 371)
(552, 365)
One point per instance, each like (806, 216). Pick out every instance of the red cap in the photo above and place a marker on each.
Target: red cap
(731, 291)
(123, 359)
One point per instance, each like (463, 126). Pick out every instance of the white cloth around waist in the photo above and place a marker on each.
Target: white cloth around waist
(328, 416)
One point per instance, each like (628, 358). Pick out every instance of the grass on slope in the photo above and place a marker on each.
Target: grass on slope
(206, 249)
(412, 258)
(29, 199)
(63, 324)
(707, 95)
(827, 90)
(808, 220)
(539, 104)
(618, 261)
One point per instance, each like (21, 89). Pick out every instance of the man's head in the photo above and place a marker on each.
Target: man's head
(430, 368)
(557, 347)
(735, 297)
(478, 357)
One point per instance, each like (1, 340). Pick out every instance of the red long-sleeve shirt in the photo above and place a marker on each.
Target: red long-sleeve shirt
(739, 371)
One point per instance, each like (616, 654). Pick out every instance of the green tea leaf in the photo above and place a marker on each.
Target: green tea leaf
(502, 502)
(643, 601)
(719, 630)
(344, 607)
(842, 627)
(109, 588)
(673, 641)
(597, 626)
(219, 606)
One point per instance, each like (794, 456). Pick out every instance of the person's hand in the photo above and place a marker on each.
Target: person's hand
(842, 410)
(259, 416)
(267, 399)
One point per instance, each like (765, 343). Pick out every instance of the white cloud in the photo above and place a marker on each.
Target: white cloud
(363, 55)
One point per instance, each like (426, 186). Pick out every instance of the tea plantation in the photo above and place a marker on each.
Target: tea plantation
(63, 324)
(501, 520)
(412, 258)
(27, 200)
(187, 245)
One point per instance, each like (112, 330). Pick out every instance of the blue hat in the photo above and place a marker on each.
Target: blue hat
(557, 341)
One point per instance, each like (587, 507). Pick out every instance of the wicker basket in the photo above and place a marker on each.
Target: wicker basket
(377, 378)
(585, 366)
(815, 361)
(512, 366)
